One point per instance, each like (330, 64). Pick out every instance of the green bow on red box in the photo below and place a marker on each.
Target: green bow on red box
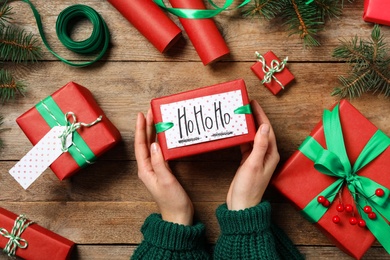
(334, 162)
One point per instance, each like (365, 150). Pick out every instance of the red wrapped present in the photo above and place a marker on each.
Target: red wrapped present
(377, 11)
(88, 142)
(338, 180)
(28, 240)
(273, 73)
(203, 120)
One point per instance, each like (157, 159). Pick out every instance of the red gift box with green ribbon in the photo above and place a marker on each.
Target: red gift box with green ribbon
(377, 11)
(26, 239)
(88, 142)
(339, 180)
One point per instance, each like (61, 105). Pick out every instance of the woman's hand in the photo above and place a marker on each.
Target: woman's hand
(258, 163)
(174, 204)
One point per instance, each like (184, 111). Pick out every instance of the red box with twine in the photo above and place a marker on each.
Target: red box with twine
(88, 142)
(273, 73)
(26, 239)
(337, 179)
(377, 11)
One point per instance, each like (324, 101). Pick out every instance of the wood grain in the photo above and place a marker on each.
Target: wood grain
(102, 208)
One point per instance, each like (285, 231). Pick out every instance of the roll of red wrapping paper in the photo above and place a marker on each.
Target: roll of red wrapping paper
(150, 21)
(203, 33)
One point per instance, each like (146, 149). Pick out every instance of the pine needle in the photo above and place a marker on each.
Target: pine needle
(18, 46)
(370, 66)
(268, 9)
(5, 14)
(9, 87)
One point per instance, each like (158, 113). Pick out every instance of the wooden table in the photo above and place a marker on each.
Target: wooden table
(103, 206)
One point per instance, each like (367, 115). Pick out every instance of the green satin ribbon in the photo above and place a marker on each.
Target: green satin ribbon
(164, 126)
(246, 109)
(53, 116)
(15, 240)
(98, 42)
(199, 13)
(334, 162)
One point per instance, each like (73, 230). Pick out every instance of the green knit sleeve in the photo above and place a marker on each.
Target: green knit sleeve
(166, 240)
(246, 234)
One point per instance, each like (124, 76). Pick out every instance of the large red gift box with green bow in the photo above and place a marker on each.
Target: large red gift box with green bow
(88, 142)
(339, 179)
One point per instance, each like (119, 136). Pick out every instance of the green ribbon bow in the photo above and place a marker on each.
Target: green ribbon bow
(198, 13)
(15, 241)
(334, 162)
(53, 116)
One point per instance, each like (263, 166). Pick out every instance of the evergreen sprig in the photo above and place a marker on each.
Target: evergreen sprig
(5, 14)
(17, 45)
(9, 87)
(302, 17)
(370, 66)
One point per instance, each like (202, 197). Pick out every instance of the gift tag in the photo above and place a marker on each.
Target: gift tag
(40, 157)
(204, 119)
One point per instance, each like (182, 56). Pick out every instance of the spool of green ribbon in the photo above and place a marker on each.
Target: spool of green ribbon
(199, 13)
(97, 42)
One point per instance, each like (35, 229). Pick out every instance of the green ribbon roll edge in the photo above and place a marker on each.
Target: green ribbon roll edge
(334, 162)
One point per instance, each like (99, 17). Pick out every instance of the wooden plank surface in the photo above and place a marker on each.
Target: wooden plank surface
(103, 207)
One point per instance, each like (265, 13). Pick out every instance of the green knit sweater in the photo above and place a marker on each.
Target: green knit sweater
(245, 234)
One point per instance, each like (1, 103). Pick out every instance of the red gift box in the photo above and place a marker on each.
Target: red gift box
(301, 181)
(377, 11)
(204, 119)
(278, 80)
(77, 99)
(42, 244)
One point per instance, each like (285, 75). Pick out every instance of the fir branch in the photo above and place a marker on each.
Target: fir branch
(9, 87)
(370, 66)
(5, 14)
(263, 8)
(17, 45)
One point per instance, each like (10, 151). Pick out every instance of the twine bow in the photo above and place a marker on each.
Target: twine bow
(334, 162)
(71, 127)
(269, 72)
(15, 241)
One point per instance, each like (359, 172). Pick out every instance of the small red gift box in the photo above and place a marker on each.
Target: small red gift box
(264, 67)
(36, 242)
(91, 142)
(377, 11)
(203, 120)
(332, 187)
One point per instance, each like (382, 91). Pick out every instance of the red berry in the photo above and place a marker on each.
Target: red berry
(321, 199)
(353, 220)
(340, 208)
(336, 219)
(362, 223)
(379, 192)
(326, 203)
(372, 215)
(367, 209)
(348, 208)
